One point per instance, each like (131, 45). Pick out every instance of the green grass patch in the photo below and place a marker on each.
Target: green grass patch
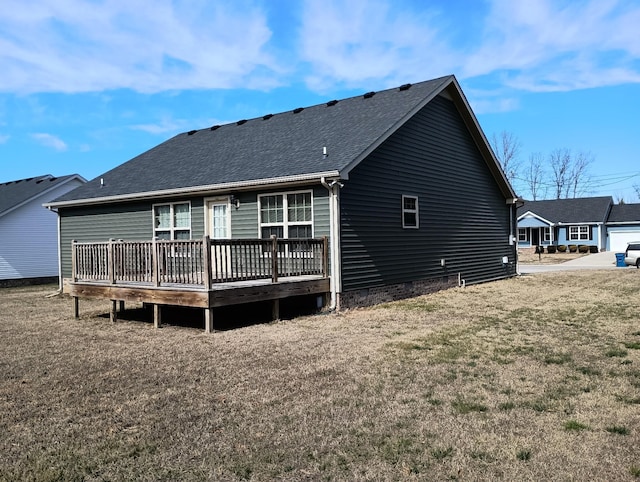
(557, 358)
(575, 425)
(616, 352)
(442, 453)
(618, 429)
(632, 345)
(634, 470)
(523, 454)
(463, 406)
(505, 406)
(585, 370)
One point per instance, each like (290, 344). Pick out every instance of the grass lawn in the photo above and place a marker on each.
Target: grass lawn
(533, 378)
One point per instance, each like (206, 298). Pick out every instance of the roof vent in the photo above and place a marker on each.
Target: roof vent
(190, 133)
(267, 117)
(39, 181)
(53, 179)
(404, 87)
(213, 128)
(368, 95)
(298, 110)
(331, 103)
(240, 122)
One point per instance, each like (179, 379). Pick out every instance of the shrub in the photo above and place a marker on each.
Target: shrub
(562, 248)
(573, 248)
(551, 249)
(583, 248)
(593, 249)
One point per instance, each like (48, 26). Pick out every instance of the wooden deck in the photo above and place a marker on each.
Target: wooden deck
(198, 273)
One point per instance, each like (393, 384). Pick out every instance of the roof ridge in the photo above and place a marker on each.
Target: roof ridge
(365, 96)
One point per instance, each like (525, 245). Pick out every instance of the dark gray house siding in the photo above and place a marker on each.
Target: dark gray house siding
(134, 221)
(463, 217)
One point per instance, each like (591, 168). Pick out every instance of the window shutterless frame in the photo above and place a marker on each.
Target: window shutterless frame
(172, 220)
(285, 214)
(410, 212)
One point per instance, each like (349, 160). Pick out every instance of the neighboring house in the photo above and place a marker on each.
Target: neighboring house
(623, 226)
(402, 182)
(28, 231)
(579, 221)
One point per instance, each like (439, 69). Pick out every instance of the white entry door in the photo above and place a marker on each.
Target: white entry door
(219, 227)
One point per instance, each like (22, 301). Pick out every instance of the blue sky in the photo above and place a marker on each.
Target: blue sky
(88, 84)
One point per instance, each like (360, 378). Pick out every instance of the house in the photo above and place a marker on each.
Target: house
(564, 222)
(623, 226)
(401, 182)
(29, 232)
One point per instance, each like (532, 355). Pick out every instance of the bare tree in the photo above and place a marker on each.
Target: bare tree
(570, 172)
(534, 176)
(636, 188)
(579, 179)
(506, 146)
(561, 167)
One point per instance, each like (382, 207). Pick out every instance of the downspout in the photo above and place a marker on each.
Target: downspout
(59, 249)
(334, 239)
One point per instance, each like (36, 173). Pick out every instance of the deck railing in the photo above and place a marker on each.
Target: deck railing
(198, 262)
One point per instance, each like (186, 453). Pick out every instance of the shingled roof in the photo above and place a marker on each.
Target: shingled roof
(16, 193)
(328, 140)
(624, 213)
(588, 210)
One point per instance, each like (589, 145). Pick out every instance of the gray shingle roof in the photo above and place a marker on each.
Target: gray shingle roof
(625, 213)
(277, 146)
(15, 193)
(579, 210)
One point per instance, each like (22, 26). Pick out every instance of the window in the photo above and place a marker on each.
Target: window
(172, 221)
(578, 233)
(547, 234)
(522, 234)
(409, 212)
(286, 215)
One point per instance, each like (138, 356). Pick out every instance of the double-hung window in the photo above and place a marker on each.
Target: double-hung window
(286, 215)
(410, 212)
(546, 234)
(578, 233)
(522, 235)
(172, 221)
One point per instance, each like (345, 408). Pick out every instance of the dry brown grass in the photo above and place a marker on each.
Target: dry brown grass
(534, 378)
(528, 256)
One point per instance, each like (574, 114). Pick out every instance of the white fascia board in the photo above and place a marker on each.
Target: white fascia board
(539, 218)
(200, 190)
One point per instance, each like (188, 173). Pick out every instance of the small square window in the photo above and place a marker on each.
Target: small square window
(410, 217)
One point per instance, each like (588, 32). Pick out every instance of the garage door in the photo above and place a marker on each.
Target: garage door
(618, 240)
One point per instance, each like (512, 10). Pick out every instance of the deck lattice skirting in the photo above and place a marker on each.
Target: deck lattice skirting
(201, 273)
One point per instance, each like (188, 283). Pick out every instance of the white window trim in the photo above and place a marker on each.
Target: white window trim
(172, 228)
(526, 235)
(415, 211)
(546, 235)
(285, 215)
(578, 234)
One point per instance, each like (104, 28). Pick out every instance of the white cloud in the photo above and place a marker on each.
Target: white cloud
(351, 41)
(49, 140)
(4, 138)
(149, 46)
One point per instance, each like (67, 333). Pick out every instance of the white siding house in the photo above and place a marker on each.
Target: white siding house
(29, 231)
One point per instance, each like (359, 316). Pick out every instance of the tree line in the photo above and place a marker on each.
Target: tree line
(561, 174)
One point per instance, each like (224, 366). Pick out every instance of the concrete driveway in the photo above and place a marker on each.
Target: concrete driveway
(605, 260)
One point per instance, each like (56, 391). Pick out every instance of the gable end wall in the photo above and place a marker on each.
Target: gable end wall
(464, 218)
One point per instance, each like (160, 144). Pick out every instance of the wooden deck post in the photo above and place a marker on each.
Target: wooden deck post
(76, 307)
(74, 263)
(208, 320)
(114, 313)
(325, 256)
(206, 262)
(274, 258)
(155, 263)
(111, 262)
(121, 307)
(275, 310)
(157, 316)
